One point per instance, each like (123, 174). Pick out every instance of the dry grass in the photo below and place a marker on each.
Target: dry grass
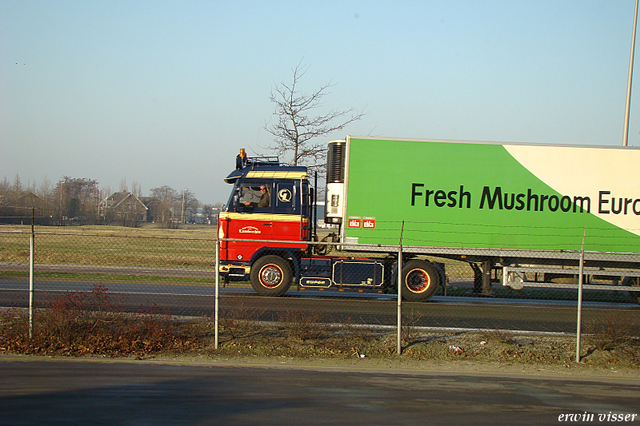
(303, 325)
(498, 336)
(89, 324)
(95, 245)
(614, 339)
(240, 321)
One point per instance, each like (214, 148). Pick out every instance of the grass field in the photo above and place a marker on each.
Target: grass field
(107, 245)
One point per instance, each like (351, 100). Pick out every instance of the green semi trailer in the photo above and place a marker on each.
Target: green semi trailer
(519, 210)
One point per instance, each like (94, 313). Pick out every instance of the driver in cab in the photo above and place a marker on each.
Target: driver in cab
(264, 199)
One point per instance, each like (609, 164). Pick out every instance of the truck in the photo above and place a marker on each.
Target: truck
(512, 211)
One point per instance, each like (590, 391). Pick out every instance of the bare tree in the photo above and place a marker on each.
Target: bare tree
(166, 198)
(190, 205)
(136, 189)
(77, 197)
(45, 190)
(17, 184)
(296, 127)
(5, 185)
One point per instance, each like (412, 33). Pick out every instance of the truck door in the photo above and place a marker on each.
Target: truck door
(250, 218)
(286, 217)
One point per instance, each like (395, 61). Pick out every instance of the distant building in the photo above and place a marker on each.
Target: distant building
(20, 207)
(123, 207)
(154, 208)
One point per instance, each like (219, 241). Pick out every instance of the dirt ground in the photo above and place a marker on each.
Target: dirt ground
(402, 365)
(461, 352)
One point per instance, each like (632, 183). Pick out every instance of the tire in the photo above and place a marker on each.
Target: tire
(271, 276)
(420, 281)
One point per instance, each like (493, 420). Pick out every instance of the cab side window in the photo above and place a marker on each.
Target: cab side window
(254, 196)
(287, 198)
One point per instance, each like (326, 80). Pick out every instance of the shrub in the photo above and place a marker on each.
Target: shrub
(77, 323)
(612, 331)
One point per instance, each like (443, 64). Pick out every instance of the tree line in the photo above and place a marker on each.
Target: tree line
(83, 200)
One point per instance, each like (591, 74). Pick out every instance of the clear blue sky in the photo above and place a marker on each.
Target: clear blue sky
(166, 92)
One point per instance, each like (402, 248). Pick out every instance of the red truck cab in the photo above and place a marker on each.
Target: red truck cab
(270, 204)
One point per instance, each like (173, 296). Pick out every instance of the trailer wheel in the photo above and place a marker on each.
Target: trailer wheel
(420, 280)
(271, 276)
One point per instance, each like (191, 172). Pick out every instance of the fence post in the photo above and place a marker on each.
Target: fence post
(580, 282)
(399, 348)
(217, 295)
(31, 262)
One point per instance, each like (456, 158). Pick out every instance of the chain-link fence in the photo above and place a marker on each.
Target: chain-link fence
(161, 267)
(174, 271)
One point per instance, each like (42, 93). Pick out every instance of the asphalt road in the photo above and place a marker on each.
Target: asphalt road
(37, 391)
(184, 299)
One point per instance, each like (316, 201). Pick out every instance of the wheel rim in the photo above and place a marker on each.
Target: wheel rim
(271, 276)
(417, 280)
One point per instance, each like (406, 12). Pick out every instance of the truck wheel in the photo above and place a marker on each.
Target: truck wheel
(271, 276)
(420, 281)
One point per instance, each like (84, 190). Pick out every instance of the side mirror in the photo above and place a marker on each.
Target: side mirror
(236, 205)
